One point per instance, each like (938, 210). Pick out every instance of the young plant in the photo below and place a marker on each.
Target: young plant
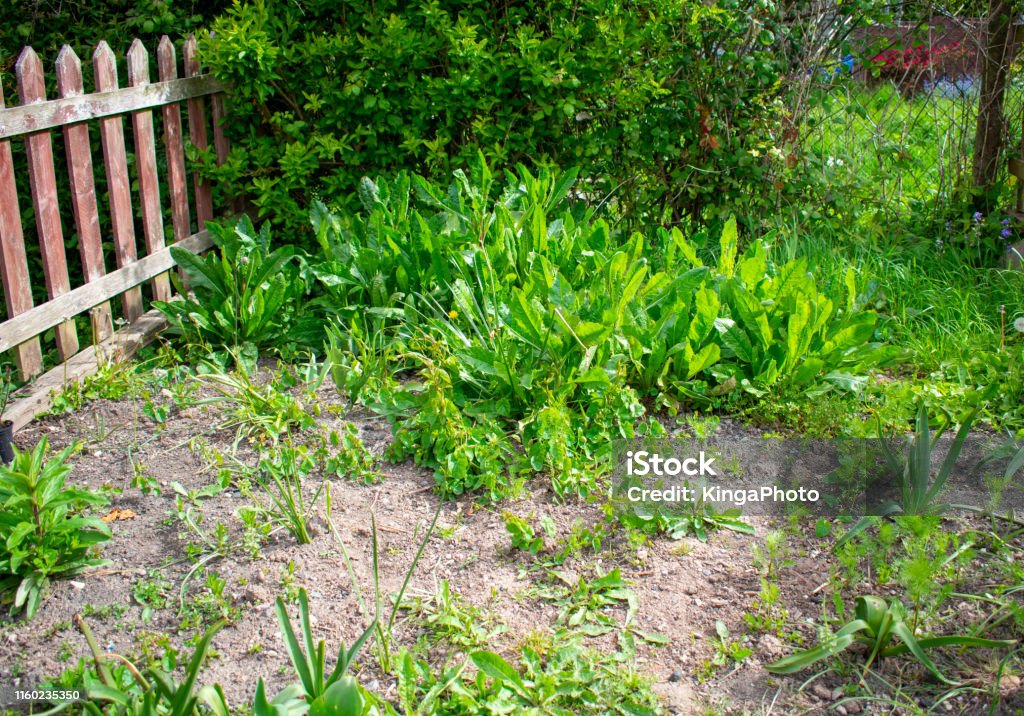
(726, 650)
(524, 535)
(43, 534)
(333, 692)
(246, 296)
(261, 413)
(557, 675)
(911, 472)
(875, 625)
(281, 476)
(151, 691)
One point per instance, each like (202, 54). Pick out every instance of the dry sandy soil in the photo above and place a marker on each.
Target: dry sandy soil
(682, 587)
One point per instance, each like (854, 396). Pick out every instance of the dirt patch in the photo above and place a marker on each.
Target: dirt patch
(136, 605)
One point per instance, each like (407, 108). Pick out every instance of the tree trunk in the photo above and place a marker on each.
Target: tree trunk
(995, 62)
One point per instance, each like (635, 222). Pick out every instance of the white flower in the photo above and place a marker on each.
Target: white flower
(1019, 324)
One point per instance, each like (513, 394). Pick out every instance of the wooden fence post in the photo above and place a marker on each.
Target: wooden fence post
(197, 133)
(176, 178)
(118, 186)
(83, 190)
(145, 162)
(13, 262)
(43, 183)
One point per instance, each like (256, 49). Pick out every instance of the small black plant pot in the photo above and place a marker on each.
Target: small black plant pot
(6, 435)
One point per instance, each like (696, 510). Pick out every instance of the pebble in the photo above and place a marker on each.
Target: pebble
(841, 710)
(837, 694)
(822, 692)
(675, 676)
(852, 707)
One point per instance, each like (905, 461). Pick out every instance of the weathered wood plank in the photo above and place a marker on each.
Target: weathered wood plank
(55, 113)
(83, 190)
(121, 346)
(220, 141)
(118, 186)
(49, 314)
(1017, 167)
(197, 133)
(145, 164)
(14, 262)
(177, 181)
(43, 185)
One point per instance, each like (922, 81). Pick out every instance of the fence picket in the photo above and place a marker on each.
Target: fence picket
(145, 162)
(118, 186)
(198, 135)
(43, 185)
(13, 261)
(83, 190)
(177, 182)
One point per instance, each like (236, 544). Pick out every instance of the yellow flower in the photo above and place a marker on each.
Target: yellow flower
(453, 314)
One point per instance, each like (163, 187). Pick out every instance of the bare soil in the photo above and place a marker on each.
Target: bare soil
(682, 587)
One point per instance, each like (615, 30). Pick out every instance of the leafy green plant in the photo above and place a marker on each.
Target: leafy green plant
(263, 413)
(43, 533)
(523, 534)
(726, 650)
(449, 619)
(333, 692)
(584, 604)
(281, 475)
(149, 691)
(875, 625)
(557, 675)
(697, 518)
(780, 331)
(247, 296)
(909, 468)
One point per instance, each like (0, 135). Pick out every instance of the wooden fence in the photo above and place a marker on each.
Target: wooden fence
(75, 112)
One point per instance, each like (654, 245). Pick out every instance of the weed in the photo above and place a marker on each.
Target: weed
(586, 604)
(727, 651)
(43, 533)
(449, 619)
(876, 625)
(523, 534)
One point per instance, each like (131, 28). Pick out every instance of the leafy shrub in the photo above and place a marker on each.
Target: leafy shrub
(781, 330)
(528, 320)
(659, 102)
(247, 297)
(43, 536)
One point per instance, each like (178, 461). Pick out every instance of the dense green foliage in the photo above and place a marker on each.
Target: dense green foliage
(529, 321)
(659, 103)
(43, 536)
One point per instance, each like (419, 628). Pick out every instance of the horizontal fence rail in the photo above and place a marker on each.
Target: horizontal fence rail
(138, 195)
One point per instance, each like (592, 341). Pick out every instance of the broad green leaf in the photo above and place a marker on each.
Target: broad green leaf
(728, 247)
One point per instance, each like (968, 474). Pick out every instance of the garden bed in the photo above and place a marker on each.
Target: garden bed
(158, 593)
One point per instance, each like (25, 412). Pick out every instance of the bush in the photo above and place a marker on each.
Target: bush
(43, 536)
(670, 106)
(529, 321)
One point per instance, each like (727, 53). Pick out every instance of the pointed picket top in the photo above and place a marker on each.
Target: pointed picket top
(69, 72)
(138, 64)
(166, 59)
(105, 66)
(191, 53)
(29, 70)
